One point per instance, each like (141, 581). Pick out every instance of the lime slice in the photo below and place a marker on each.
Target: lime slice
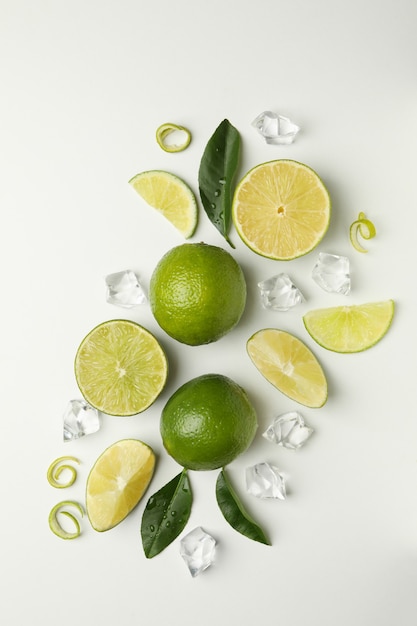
(281, 209)
(117, 482)
(55, 525)
(289, 365)
(169, 195)
(363, 227)
(120, 368)
(350, 328)
(168, 132)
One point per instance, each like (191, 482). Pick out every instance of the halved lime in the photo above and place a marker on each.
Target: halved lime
(120, 368)
(117, 482)
(169, 195)
(281, 209)
(350, 328)
(288, 364)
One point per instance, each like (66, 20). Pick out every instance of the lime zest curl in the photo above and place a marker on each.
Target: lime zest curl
(57, 467)
(163, 132)
(363, 227)
(56, 527)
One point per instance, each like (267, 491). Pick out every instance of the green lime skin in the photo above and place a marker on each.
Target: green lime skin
(208, 422)
(197, 293)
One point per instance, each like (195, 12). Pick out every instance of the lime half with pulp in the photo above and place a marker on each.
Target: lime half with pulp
(120, 368)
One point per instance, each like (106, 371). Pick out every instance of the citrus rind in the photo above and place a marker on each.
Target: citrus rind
(363, 227)
(60, 509)
(165, 130)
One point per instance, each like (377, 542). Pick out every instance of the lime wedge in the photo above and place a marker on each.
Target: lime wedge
(350, 328)
(120, 368)
(169, 195)
(281, 209)
(117, 482)
(289, 365)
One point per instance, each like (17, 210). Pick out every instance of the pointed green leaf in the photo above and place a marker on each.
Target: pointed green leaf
(166, 514)
(234, 513)
(215, 177)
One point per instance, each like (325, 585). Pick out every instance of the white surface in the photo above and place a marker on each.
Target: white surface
(84, 86)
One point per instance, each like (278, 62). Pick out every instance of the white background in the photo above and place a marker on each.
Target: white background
(84, 85)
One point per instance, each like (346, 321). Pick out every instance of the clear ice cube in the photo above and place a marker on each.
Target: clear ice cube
(124, 289)
(275, 128)
(265, 481)
(331, 273)
(198, 550)
(279, 293)
(80, 419)
(288, 430)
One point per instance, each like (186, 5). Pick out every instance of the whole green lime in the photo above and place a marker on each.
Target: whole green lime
(208, 422)
(197, 293)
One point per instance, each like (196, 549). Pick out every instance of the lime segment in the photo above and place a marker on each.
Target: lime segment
(120, 368)
(288, 364)
(169, 195)
(350, 328)
(117, 482)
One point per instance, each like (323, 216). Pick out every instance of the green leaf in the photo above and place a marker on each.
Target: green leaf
(215, 177)
(166, 514)
(234, 513)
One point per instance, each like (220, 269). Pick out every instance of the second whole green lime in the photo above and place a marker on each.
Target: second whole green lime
(208, 422)
(197, 293)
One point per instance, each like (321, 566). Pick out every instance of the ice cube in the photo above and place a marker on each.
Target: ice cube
(124, 289)
(275, 128)
(265, 481)
(279, 293)
(80, 419)
(289, 430)
(331, 273)
(198, 550)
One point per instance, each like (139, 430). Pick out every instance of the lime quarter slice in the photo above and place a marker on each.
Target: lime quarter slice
(169, 195)
(287, 363)
(117, 482)
(120, 368)
(350, 328)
